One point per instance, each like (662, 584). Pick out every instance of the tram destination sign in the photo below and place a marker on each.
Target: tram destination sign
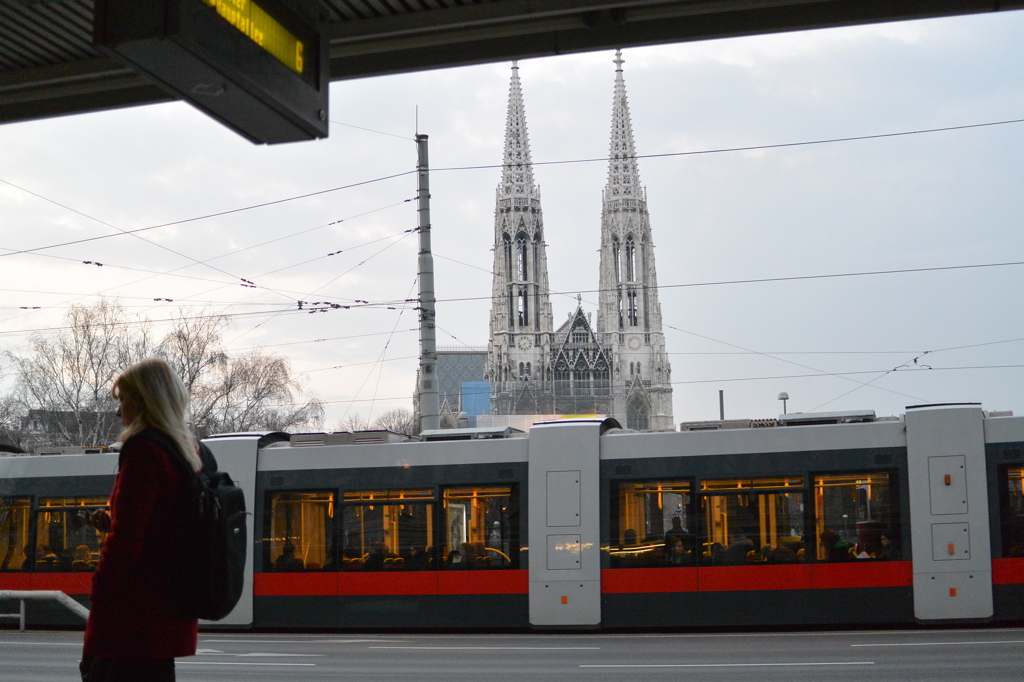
(258, 67)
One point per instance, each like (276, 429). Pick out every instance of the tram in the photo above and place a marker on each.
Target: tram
(580, 524)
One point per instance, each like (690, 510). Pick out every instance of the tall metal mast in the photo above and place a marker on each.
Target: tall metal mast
(430, 409)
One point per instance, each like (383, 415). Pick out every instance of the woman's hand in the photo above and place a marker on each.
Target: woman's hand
(99, 519)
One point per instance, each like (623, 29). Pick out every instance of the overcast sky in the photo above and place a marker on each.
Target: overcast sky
(919, 201)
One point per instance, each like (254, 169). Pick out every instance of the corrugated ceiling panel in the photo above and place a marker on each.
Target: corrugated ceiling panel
(44, 33)
(353, 10)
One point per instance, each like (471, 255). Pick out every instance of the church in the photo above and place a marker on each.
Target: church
(615, 365)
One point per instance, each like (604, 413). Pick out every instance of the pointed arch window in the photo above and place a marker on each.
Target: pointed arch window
(621, 311)
(616, 260)
(522, 370)
(506, 242)
(630, 259)
(524, 307)
(637, 414)
(511, 319)
(522, 260)
(631, 310)
(647, 324)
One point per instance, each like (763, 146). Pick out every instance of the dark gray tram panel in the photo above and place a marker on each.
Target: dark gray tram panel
(949, 513)
(258, 68)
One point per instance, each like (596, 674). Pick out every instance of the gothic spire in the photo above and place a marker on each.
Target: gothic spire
(517, 174)
(623, 174)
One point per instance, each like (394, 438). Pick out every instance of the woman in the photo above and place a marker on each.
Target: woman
(135, 629)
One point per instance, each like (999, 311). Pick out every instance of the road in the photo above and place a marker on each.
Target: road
(981, 654)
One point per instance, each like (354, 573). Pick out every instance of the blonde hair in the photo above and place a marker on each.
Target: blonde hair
(163, 401)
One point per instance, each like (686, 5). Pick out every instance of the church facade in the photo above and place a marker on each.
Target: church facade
(615, 366)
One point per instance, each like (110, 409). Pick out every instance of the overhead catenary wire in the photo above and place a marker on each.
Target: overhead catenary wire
(762, 280)
(840, 374)
(185, 220)
(603, 159)
(175, 273)
(747, 148)
(383, 352)
(331, 281)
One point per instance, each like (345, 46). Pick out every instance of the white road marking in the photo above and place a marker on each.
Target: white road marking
(226, 663)
(1007, 641)
(717, 665)
(492, 648)
(221, 653)
(46, 643)
(296, 641)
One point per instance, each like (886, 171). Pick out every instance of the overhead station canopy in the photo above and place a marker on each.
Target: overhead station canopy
(50, 66)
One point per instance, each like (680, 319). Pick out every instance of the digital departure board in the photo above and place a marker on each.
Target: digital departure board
(258, 67)
(262, 29)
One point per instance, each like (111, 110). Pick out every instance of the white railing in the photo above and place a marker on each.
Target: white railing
(41, 595)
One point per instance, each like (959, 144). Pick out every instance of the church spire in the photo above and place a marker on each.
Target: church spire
(517, 171)
(629, 314)
(623, 174)
(521, 321)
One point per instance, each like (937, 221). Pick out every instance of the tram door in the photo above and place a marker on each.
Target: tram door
(564, 524)
(237, 455)
(949, 513)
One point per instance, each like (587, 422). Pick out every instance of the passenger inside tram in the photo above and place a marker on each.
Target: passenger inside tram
(287, 561)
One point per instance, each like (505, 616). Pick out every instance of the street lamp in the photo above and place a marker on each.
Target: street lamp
(783, 397)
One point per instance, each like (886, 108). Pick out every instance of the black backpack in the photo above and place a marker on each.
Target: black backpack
(213, 567)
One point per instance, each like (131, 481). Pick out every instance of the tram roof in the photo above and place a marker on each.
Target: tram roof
(48, 66)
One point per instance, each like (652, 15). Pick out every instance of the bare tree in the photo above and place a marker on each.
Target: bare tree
(399, 420)
(63, 384)
(193, 348)
(62, 387)
(354, 422)
(254, 392)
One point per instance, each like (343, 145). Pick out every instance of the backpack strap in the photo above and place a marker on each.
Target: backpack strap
(209, 461)
(170, 446)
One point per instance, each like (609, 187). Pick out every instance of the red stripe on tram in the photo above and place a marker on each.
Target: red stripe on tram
(1007, 571)
(648, 580)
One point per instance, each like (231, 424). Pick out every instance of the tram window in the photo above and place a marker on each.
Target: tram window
(14, 520)
(1012, 512)
(856, 517)
(752, 521)
(388, 530)
(481, 527)
(299, 531)
(64, 542)
(653, 525)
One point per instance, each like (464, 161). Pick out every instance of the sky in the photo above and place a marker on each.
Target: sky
(932, 200)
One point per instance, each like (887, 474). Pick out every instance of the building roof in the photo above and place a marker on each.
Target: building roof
(48, 66)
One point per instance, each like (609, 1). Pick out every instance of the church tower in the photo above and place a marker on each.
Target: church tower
(629, 315)
(521, 322)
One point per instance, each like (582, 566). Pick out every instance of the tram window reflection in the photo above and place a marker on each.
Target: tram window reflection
(856, 517)
(752, 521)
(299, 531)
(1012, 512)
(64, 542)
(481, 528)
(388, 530)
(653, 525)
(14, 527)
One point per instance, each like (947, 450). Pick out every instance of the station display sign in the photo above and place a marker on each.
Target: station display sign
(258, 67)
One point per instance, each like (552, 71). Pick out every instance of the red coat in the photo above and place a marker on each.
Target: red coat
(133, 616)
